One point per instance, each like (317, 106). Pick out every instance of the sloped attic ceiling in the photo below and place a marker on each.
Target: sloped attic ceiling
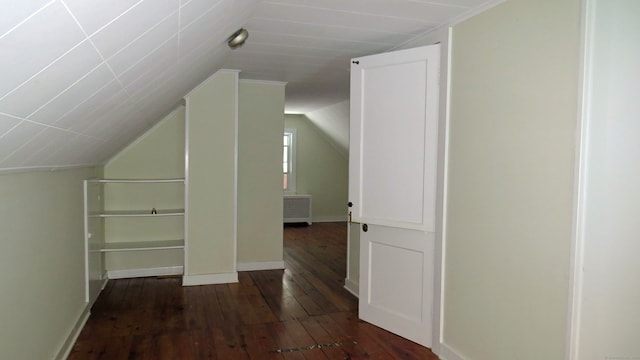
(83, 78)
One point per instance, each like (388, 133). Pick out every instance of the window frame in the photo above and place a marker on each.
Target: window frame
(291, 174)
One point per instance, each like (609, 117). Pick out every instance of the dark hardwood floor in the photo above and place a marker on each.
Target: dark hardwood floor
(302, 312)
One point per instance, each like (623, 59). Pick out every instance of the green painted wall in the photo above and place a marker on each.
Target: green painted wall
(158, 154)
(320, 170)
(514, 90)
(261, 122)
(212, 176)
(41, 261)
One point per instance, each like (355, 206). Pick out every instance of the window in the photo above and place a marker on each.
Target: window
(288, 161)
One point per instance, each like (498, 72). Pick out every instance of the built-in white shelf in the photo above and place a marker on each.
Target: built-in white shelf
(143, 245)
(142, 181)
(142, 213)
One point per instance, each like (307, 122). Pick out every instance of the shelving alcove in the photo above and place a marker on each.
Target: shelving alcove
(135, 199)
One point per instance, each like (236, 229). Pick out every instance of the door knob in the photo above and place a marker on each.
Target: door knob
(349, 204)
(365, 227)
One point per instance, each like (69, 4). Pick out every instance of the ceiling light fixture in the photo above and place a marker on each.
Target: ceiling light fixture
(238, 38)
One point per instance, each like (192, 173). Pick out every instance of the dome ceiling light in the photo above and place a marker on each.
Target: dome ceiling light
(238, 38)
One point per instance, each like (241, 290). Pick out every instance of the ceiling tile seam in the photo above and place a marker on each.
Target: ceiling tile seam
(349, 12)
(82, 102)
(324, 38)
(35, 154)
(107, 24)
(149, 70)
(142, 35)
(42, 70)
(203, 14)
(347, 28)
(88, 38)
(65, 90)
(22, 145)
(27, 18)
(54, 127)
(13, 127)
(12, 116)
(148, 54)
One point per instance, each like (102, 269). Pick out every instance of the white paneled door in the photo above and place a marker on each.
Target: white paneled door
(392, 186)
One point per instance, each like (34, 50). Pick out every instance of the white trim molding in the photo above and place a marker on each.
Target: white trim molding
(264, 265)
(447, 353)
(210, 279)
(335, 218)
(145, 272)
(585, 86)
(352, 286)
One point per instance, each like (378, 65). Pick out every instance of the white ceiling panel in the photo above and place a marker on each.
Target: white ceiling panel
(328, 17)
(21, 155)
(14, 12)
(87, 111)
(61, 74)
(48, 141)
(17, 136)
(35, 44)
(82, 79)
(142, 47)
(93, 15)
(132, 24)
(378, 35)
(74, 95)
(432, 12)
(196, 9)
(154, 62)
(7, 123)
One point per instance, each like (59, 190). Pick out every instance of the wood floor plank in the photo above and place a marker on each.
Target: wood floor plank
(301, 312)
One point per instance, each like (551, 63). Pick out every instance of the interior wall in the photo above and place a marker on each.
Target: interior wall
(510, 181)
(333, 122)
(158, 154)
(212, 119)
(260, 128)
(42, 273)
(321, 171)
(608, 322)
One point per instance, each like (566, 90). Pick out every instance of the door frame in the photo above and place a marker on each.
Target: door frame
(443, 37)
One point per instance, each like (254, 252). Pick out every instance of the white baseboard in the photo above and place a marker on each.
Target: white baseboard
(447, 353)
(105, 280)
(73, 335)
(209, 279)
(264, 265)
(352, 287)
(135, 273)
(320, 219)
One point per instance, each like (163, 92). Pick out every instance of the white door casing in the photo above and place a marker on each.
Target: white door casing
(392, 185)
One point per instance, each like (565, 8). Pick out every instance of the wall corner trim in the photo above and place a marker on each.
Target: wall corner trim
(264, 265)
(210, 279)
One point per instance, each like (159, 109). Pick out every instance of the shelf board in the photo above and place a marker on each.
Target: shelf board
(142, 213)
(143, 245)
(176, 180)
